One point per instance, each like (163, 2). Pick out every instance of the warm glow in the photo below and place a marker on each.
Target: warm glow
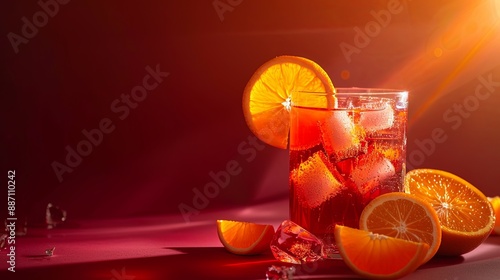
(453, 48)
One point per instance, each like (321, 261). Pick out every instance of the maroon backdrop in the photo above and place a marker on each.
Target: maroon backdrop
(150, 94)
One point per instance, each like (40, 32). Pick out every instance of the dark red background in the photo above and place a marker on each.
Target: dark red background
(66, 77)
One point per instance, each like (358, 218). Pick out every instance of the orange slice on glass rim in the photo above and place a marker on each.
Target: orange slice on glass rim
(267, 95)
(465, 214)
(244, 238)
(404, 216)
(377, 256)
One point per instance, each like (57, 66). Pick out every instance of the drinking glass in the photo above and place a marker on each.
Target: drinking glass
(345, 149)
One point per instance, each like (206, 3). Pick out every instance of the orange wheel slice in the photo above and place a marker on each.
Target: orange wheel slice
(404, 216)
(267, 95)
(495, 202)
(465, 214)
(244, 238)
(374, 255)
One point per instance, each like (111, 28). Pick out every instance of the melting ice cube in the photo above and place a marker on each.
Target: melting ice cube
(314, 182)
(54, 216)
(341, 137)
(50, 252)
(280, 272)
(377, 119)
(370, 171)
(293, 244)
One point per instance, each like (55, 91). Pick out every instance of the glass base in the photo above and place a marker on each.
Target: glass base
(332, 252)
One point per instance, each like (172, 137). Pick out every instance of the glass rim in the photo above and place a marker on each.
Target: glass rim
(343, 98)
(358, 91)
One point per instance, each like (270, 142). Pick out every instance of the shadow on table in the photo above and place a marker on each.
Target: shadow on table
(200, 263)
(440, 261)
(183, 263)
(224, 265)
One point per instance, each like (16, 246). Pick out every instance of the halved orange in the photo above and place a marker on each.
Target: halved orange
(374, 255)
(267, 95)
(244, 238)
(465, 214)
(405, 216)
(495, 202)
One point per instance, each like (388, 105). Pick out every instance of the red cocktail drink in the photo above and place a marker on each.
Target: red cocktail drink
(345, 150)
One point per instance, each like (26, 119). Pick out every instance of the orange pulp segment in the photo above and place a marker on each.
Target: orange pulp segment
(404, 216)
(465, 214)
(374, 255)
(267, 95)
(244, 238)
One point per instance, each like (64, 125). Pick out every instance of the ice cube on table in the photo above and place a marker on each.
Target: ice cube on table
(54, 216)
(314, 182)
(377, 119)
(280, 273)
(50, 252)
(293, 244)
(370, 171)
(341, 137)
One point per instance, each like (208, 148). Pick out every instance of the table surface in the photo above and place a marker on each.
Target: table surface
(166, 247)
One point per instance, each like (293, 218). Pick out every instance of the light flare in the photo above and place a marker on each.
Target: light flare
(449, 54)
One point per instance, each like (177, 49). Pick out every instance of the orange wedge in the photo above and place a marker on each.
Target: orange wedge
(495, 202)
(244, 238)
(374, 255)
(267, 95)
(465, 214)
(404, 216)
